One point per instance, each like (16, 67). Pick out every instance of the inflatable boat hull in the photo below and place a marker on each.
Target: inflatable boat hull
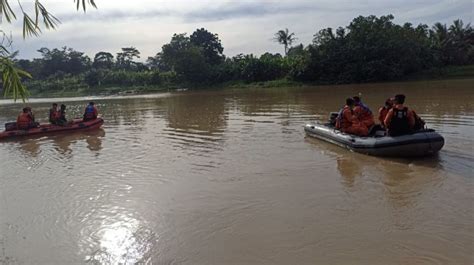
(43, 129)
(420, 143)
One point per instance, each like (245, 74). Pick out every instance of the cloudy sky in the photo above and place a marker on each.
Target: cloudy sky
(243, 26)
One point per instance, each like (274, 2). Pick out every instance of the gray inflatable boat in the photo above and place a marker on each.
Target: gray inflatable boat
(420, 143)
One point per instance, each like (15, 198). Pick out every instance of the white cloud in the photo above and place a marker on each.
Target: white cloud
(243, 26)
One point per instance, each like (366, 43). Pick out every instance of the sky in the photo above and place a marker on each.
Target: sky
(243, 26)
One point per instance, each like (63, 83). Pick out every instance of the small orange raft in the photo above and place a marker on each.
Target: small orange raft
(76, 125)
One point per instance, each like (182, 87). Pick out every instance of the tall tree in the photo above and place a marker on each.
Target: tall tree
(66, 60)
(285, 38)
(185, 59)
(125, 58)
(103, 60)
(171, 51)
(453, 45)
(462, 39)
(210, 44)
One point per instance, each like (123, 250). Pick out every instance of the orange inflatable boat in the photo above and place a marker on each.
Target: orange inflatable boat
(77, 124)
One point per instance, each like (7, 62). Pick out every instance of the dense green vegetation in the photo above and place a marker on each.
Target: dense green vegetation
(368, 49)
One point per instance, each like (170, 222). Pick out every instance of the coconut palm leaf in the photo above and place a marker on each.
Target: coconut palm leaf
(11, 80)
(84, 4)
(6, 11)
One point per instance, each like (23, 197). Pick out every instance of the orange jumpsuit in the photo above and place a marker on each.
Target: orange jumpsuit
(349, 123)
(365, 116)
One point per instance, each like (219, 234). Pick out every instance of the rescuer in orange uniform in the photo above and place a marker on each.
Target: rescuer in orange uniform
(26, 120)
(383, 111)
(348, 122)
(363, 113)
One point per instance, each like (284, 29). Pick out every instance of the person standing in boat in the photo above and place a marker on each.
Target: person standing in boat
(383, 111)
(90, 113)
(399, 120)
(54, 114)
(26, 120)
(348, 122)
(363, 113)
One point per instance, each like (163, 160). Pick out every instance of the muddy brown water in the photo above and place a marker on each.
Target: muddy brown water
(228, 177)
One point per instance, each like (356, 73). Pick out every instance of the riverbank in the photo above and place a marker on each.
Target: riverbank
(451, 72)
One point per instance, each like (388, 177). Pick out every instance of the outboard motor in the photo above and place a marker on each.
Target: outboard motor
(332, 118)
(10, 126)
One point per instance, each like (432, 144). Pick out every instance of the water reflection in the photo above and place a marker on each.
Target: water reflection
(197, 113)
(93, 138)
(30, 147)
(404, 180)
(349, 170)
(195, 126)
(62, 144)
(121, 239)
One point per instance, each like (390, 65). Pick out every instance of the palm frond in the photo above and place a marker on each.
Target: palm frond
(29, 26)
(49, 20)
(4, 51)
(11, 80)
(6, 11)
(84, 3)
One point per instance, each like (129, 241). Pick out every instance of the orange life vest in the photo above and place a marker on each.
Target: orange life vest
(54, 115)
(23, 121)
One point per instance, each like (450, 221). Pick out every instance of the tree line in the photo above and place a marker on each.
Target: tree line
(368, 49)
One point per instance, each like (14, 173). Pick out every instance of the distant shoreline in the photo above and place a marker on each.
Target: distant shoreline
(447, 73)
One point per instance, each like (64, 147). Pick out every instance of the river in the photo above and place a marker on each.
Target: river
(228, 177)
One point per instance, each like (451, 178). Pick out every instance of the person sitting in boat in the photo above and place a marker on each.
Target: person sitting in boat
(90, 112)
(348, 122)
(363, 113)
(54, 114)
(383, 111)
(399, 120)
(26, 120)
(62, 116)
